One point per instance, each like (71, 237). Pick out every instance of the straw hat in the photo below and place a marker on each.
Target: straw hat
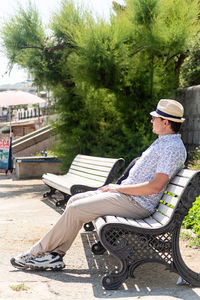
(169, 109)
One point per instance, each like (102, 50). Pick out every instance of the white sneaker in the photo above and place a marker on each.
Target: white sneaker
(46, 261)
(20, 261)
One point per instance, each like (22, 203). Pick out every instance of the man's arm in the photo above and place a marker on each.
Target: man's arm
(141, 189)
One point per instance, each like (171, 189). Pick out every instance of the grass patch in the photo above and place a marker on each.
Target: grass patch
(193, 241)
(187, 234)
(19, 287)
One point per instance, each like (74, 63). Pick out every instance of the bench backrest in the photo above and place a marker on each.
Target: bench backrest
(172, 196)
(176, 190)
(99, 169)
(169, 201)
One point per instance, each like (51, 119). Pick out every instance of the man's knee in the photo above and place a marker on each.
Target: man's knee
(74, 198)
(71, 211)
(80, 212)
(80, 196)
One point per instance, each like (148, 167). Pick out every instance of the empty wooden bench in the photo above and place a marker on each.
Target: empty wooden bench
(153, 239)
(85, 173)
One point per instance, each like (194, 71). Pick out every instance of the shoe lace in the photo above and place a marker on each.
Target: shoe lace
(27, 257)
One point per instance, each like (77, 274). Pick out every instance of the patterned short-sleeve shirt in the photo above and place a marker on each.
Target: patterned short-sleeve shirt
(166, 155)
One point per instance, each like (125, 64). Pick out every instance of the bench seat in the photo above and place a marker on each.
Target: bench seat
(64, 183)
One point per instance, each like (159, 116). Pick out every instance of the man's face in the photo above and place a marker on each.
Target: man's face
(158, 125)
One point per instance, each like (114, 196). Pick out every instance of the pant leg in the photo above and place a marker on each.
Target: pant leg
(84, 208)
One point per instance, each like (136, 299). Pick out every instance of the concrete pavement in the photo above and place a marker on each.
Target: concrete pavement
(25, 216)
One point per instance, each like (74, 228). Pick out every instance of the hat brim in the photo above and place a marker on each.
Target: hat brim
(156, 115)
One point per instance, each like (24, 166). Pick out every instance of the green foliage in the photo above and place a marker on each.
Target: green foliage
(194, 159)
(190, 74)
(192, 221)
(21, 32)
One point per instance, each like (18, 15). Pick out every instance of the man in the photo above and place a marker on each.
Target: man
(135, 197)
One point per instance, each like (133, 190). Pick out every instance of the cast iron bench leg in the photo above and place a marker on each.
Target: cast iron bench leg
(115, 279)
(64, 201)
(88, 226)
(50, 193)
(98, 248)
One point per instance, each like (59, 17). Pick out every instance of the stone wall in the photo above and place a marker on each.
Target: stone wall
(34, 143)
(35, 149)
(190, 99)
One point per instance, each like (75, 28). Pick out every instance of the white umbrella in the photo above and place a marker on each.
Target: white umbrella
(11, 98)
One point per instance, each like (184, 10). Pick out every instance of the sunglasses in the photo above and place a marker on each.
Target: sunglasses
(153, 118)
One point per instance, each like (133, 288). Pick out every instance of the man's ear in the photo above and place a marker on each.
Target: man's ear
(166, 122)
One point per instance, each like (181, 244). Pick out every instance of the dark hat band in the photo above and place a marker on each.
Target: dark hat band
(166, 115)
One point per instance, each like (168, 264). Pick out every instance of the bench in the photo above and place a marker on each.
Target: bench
(86, 173)
(153, 239)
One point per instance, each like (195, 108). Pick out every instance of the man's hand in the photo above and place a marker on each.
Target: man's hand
(140, 189)
(109, 188)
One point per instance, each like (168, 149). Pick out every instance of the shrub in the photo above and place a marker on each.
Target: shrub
(192, 221)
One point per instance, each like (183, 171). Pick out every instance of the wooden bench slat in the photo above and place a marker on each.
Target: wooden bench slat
(88, 176)
(57, 186)
(64, 184)
(99, 164)
(152, 222)
(69, 181)
(166, 210)
(74, 179)
(181, 181)
(133, 222)
(170, 199)
(90, 171)
(127, 221)
(186, 173)
(111, 219)
(103, 162)
(122, 220)
(143, 224)
(95, 158)
(89, 166)
(177, 190)
(160, 218)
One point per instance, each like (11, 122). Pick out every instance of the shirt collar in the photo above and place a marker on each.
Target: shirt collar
(169, 136)
(166, 137)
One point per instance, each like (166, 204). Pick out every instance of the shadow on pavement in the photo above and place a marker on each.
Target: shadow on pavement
(151, 279)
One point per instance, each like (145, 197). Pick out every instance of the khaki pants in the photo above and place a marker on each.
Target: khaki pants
(83, 208)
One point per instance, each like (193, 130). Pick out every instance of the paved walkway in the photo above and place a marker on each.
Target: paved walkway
(25, 216)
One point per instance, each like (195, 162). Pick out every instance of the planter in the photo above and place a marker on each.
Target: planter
(35, 166)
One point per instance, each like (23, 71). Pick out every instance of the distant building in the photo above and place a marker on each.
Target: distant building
(26, 119)
(25, 86)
